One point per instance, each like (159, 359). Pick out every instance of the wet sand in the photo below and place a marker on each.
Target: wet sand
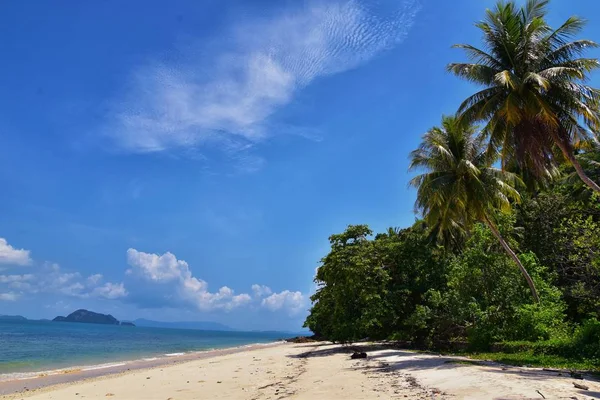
(76, 374)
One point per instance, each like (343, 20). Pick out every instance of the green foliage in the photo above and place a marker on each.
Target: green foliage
(528, 358)
(416, 268)
(350, 303)
(588, 333)
(581, 346)
(586, 340)
(579, 265)
(401, 285)
(458, 185)
(471, 292)
(534, 97)
(561, 226)
(488, 299)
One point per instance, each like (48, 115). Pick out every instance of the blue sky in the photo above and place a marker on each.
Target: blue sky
(187, 161)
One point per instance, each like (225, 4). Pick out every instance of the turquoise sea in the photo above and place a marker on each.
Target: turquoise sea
(36, 346)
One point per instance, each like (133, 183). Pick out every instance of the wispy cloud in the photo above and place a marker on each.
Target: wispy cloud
(52, 279)
(261, 290)
(226, 97)
(8, 296)
(110, 291)
(11, 279)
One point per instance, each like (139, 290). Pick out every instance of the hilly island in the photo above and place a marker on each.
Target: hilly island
(90, 317)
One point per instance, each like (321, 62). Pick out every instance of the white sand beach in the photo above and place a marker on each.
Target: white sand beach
(319, 371)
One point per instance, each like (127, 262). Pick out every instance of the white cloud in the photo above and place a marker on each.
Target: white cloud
(293, 302)
(227, 95)
(74, 285)
(51, 279)
(74, 289)
(94, 279)
(18, 282)
(59, 305)
(157, 268)
(22, 286)
(240, 300)
(110, 291)
(15, 278)
(10, 255)
(178, 283)
(8, 296)
(261, 290)
(174, 285)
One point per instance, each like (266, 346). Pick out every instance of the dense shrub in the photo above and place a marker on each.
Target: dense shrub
(583, 343)
(401, 285)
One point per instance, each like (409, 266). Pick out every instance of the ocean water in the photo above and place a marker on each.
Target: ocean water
(36, 346)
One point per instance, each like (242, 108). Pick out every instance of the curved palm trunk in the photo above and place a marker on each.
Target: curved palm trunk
(573, 160)
(514, 257)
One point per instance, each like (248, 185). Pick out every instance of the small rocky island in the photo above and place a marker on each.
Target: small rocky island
(91, 317)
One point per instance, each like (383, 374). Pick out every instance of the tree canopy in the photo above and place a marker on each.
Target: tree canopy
(450, 277)
(535, 98)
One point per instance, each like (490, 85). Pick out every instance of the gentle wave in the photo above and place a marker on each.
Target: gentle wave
(31, 348)
(62, 371)
(76, 369)
(103, 366)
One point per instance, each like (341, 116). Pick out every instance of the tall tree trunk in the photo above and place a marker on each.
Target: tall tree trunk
(568, 153)
(514, 257)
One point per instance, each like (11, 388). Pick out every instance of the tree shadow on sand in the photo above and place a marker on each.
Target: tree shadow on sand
(391, 359)
(394, 360)
(330, 349)
(589, 393)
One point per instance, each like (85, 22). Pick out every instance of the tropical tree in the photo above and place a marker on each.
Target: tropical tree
(534, 98)
(350, 303)
(459, 185)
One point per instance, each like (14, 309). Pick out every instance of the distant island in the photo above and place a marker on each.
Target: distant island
(12, 318)
(90, 317)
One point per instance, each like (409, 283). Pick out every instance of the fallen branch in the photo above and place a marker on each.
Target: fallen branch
(551, 370)
(580, 386)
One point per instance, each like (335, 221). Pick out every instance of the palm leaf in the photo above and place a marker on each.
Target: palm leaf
(533, 86)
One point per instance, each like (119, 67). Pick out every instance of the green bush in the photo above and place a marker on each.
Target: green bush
(587, 339)
(588, 333)
(583, 344)
(546, 319)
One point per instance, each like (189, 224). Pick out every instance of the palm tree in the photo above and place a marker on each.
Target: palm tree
(460, 187)
(534, 98)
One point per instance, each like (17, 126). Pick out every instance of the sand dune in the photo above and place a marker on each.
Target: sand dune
(320, 371)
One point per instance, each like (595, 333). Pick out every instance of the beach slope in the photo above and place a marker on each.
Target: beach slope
(320, 371)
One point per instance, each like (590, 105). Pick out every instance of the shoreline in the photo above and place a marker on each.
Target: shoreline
(311, 371)
(21, 382)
